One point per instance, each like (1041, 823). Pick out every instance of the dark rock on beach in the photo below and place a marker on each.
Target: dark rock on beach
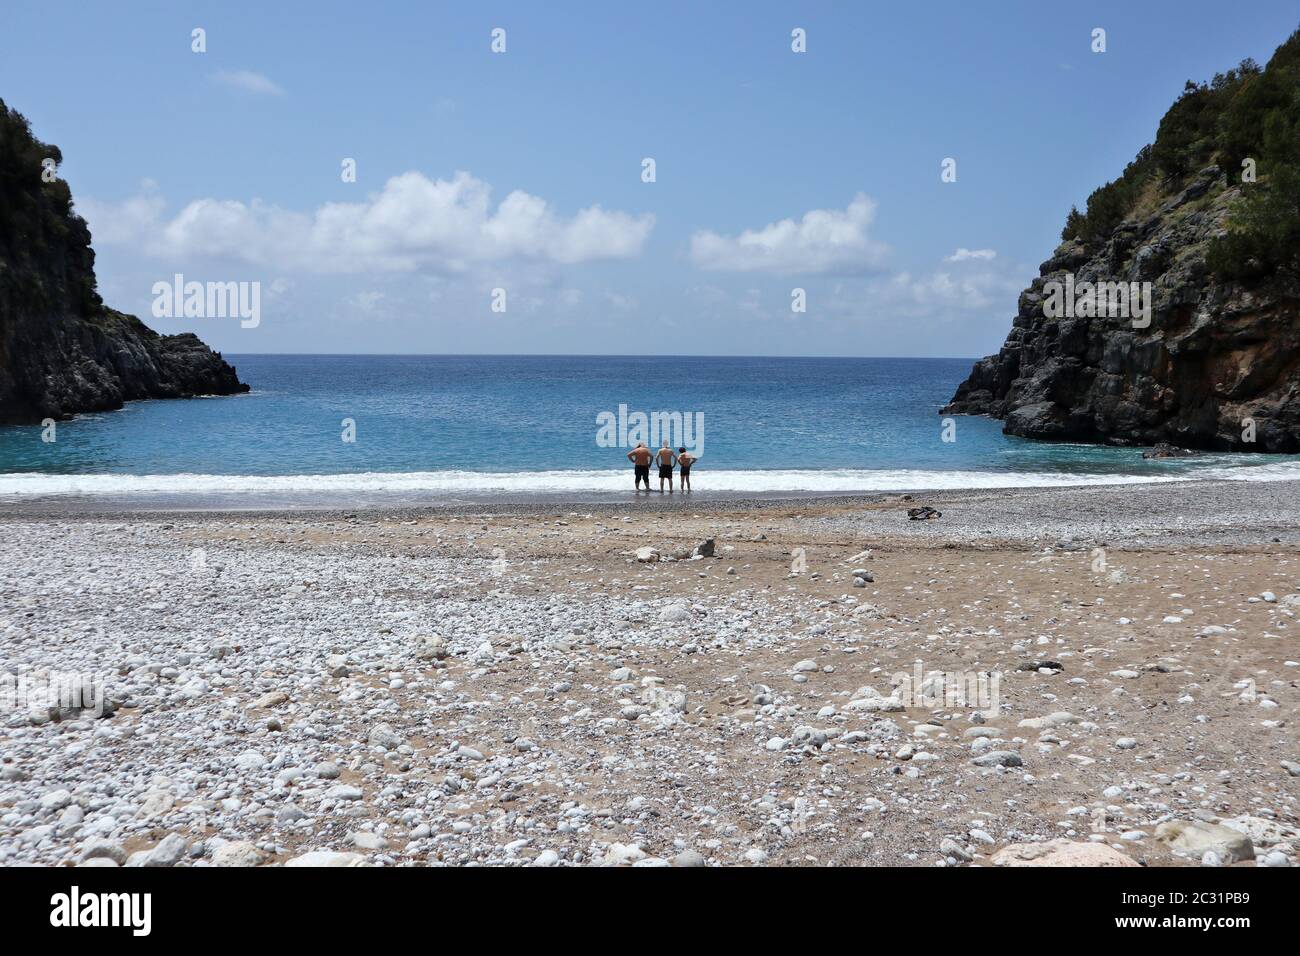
(62, 351)
(1034, 666)
(1166, 450)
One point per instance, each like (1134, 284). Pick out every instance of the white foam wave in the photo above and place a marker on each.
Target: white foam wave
(471, 483)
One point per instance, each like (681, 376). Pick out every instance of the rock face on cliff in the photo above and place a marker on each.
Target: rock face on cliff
(1217, 365)
(61, 350)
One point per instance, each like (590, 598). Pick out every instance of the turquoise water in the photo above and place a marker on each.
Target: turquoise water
(466, 425)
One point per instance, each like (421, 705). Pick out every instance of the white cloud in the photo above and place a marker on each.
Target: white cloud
(949, 291)
(413, 224)
(124, 223)
(945, 291)
(823, 241)
(248, 82)
(962, 254)
(367, 301)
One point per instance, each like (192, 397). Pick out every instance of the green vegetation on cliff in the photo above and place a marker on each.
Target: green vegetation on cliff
(1247, 122)
(62, 351)
(38, 228)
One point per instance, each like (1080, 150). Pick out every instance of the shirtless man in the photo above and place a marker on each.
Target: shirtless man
(666, 461)
(685, 460)
(640, 458)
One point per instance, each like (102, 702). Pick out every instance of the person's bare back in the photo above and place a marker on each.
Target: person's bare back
(640, 457)
(666, 460)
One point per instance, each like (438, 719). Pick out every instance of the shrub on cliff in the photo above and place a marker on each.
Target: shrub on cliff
(1246, 118)
(42, 241)
(1109, 204)
(1262, 128)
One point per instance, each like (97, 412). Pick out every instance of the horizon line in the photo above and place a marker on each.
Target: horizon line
(903, 358)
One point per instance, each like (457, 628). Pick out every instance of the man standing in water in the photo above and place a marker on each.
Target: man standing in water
(685, 460)
(640, 459)
(666, 461)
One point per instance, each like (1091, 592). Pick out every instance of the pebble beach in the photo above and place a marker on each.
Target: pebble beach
(680, 681)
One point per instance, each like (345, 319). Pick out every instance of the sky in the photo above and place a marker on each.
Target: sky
(501, 201)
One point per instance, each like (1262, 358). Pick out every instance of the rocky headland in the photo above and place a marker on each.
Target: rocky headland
(62, 351)
(1183, 288)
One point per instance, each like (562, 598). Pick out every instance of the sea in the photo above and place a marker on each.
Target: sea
(376, 430)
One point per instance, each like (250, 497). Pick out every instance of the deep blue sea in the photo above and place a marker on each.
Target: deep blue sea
(452, 427)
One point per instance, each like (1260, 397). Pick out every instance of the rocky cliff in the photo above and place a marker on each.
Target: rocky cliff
(62, 351)
(1208, 216)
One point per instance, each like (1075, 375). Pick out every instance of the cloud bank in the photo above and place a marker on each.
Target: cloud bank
(823, 241)
(963, 254)
(413, 224)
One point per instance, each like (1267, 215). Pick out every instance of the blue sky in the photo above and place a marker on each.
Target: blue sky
(225, 165)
